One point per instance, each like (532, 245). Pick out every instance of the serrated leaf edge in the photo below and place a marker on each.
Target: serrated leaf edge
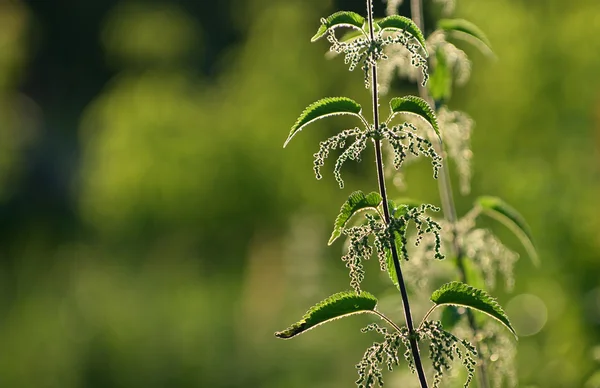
(337, 229)
(418, 36)
(324, 28)
(430, 117)
(467, 289)
(300, 326)
(299, 125)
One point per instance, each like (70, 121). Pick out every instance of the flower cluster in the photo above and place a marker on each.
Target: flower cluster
(443, 347)
(369, 370)
(358, 49)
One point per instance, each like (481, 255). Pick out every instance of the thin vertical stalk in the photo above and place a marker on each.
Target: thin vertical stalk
(449, 207)
(386, 212)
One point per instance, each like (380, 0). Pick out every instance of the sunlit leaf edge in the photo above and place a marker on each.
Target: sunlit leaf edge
(462, 26)
(416, 106)
(356, 202)
(325, 107)
(461, 294)
(501, 211)
(397, 22)
(339, 19)
(336, 306)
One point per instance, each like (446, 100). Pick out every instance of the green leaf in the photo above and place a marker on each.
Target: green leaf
(325, 107)
(397, 22)
(402, 204)
(440, 80)
(501, 211)
(397, 211)
(356, 202)
(391, 268)
(339, 19)
(416, 106)
(461, 28)
(336, 306)
(461, 294)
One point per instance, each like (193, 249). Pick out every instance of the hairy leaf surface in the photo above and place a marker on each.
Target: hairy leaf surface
(336, 306)
(340, 19)
(461, 294)
(397, 22)
(470, 30)
(325, 107)
(356, 202)
(416, 106)
(507, 215)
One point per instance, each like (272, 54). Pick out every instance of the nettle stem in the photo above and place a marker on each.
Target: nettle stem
(386, 212)
(449, 208)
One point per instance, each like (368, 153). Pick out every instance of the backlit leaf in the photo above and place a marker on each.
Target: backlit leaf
(339, 19)
(325, 107)
(461, 28)
(416, 106)
(356, 202)
(397, 22)
(337, 306)
(506, 214)
(461, 294)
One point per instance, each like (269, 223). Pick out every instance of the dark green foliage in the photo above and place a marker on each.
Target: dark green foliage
(416, 106)
(357, 201)
(512, 219)
(336, 306)
(339, 19)
(401, 23)
(461, 294)
(325, 107)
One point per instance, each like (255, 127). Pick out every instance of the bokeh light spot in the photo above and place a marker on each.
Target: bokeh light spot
(528, 314)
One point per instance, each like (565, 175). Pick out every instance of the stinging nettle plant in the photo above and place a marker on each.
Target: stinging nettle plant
(375, 224)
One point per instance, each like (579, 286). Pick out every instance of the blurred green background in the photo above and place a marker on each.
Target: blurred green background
(154, 233)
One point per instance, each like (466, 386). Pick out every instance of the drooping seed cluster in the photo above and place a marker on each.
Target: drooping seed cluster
(500, 352)
(456, 129)
(484, 248)
(367, 52)
(382, 239)
(385, 236)
(456, 59)
(443, 347)
(479, 245)
(353, 152)
(358, 250)
(425, 225)
(369, 369)
(491, 256)
(404, 140)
